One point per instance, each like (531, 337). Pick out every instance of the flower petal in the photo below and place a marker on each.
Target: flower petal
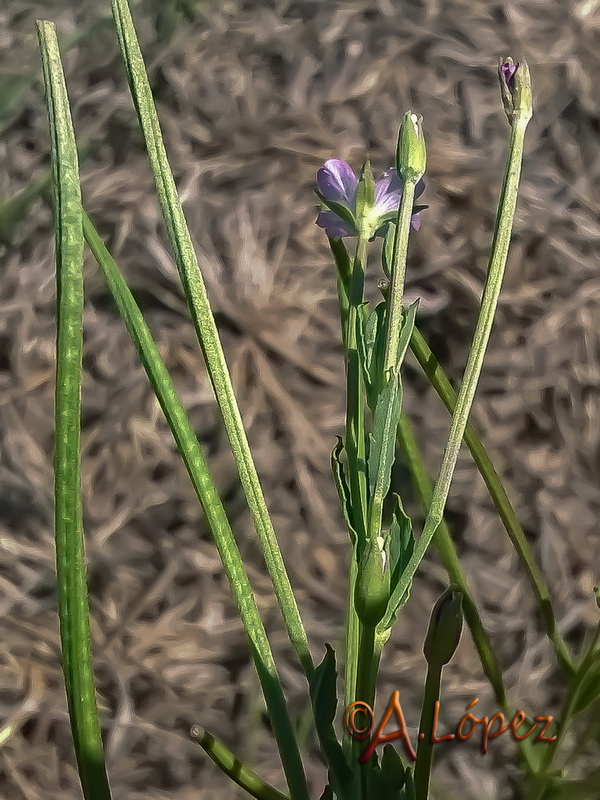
(388, 191)
(337, 181)
(415, 222)
(334, 226)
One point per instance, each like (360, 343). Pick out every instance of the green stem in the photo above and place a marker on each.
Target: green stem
(396, 290)
(355, 423)
(352, 633)
(447, 550)
(464, 401)
(206, 329)
(366, 662)
(424, 760)
(352, 647)
(445, 545)
(206, 491)
(234, 768)
(73, 605)
(443, 387)
(356, 458)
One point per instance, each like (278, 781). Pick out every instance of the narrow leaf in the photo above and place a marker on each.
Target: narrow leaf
(339, 477)
(323, 692)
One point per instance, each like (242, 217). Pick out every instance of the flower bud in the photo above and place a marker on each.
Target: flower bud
(411, 155)
(372, 591)
(515, 86)
(445, 627)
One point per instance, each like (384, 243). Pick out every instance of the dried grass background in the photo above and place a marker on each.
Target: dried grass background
(253, 97)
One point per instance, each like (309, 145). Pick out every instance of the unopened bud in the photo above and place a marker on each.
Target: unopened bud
(411, 155)
(515, 86)
(445, 627)
(372, 592)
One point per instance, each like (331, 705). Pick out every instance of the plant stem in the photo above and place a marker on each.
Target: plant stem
(464, 401)
(424, 761)
(396, 291)
(445, 545)
(443, 387)
(355, 423)
(234, 768)
(354, 443)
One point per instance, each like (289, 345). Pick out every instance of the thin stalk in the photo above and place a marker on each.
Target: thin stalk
(466, 395)
(356, 459)
(235, 769)
(352, 646)
(396, 290)
(445, 545)
(351, 637)
(206, 329)
(424, 761)
(208, 495)
(443, 387)
(355, 422)
(447, 550)
(73, 605)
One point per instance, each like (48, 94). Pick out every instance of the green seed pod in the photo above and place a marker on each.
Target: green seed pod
(445, 627)
(372, 592)
(411, 155)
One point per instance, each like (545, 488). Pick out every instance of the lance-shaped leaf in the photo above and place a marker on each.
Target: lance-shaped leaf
(343, 490)
(371, 348)
(323, 693)
(401, 545)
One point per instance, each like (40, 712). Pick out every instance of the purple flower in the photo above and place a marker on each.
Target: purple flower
(337, 185)
(507, 73)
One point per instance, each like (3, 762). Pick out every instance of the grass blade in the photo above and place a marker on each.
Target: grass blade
(208, 495)
(70, 554)
(206, 329)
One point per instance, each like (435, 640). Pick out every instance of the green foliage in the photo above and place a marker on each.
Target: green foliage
(383, 561)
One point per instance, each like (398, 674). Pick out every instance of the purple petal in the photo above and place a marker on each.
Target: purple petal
(388, 191)
(507, 72)
(415, 222)
(334, 226)
(419, 188)
(336, 181)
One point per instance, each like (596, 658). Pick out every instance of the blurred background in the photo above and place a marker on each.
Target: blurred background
(253, 97)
